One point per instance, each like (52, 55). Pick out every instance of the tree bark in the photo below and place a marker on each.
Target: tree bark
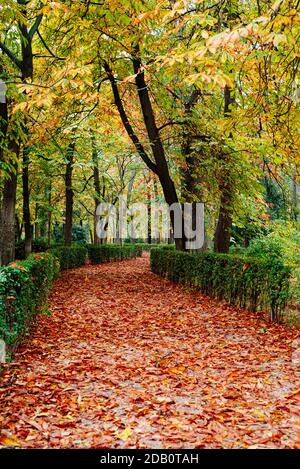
(224, 225)
(7, 215)
(97, 189)
(191, 191)
(8, 205)
(25, 66)
(26, 203)
(49, 217)
(69, 195)
(19, 228)
(225, 218)
(27, 73)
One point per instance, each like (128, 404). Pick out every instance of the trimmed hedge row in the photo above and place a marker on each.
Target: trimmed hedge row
(70, 256)
(24, 287)
(148, 247)
(112, 252)
(246, 282)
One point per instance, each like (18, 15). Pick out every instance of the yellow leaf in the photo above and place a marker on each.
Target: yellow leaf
(142, 17)
(9, 441)
(259, 414)
(125, 434)
(177, 371)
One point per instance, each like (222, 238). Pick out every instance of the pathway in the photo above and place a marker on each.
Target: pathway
(130, 360)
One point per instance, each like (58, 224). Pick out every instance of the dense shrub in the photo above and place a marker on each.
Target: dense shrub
(24, 287)
(70, 256)
(247, 282)
(38, 245)
(112, 252)
(283, 243)
(79, 233)
(148, 247)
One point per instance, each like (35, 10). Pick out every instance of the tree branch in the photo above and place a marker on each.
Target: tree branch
(35, 26)
(12, 56)
(118, 102)
(47, 48)
(84, 206)
(169, 123)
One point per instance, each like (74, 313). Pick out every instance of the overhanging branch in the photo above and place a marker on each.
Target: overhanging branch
(35, 26)
(11, 55)
(118, 102)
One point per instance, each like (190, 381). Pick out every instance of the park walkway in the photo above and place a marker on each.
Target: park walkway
(130, 360)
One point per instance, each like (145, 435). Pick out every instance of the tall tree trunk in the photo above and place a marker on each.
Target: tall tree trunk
(159, 166)
(8, 216)
(27, 73)
(224, 225)
(49, 219)
(25, 66)
(97, 195)
(19, 228)
(69, 195)
(191, 191)
(225, 218)
(158, 151)
(8, 204)
(156, 238)
(149, 199)
(36, 222)
(26, 203)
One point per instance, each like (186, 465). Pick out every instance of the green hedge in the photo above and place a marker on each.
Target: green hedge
(246, 282)
(112, 252)
(24, 287)
(148, 247)
(69, 257)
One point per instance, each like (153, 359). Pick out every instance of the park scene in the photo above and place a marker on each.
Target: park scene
(149, 224)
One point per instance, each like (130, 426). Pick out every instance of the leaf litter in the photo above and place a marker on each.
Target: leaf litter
(130, 360)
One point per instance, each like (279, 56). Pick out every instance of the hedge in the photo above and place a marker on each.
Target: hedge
(246, 282)
(148, 247)
(70, 256)
(24, 287)
(112, 252)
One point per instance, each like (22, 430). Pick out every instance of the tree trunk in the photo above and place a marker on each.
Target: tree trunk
(36, 223)
(224, 225)
(225, 219)
(49, 228)
(191, 190)
(156, 238)
(165, 179)
(149, 238)
(160, 166)
(27, 73)
(49, 215)
(26, 203)
(69, 195)
(8, 205)
(19, 228)
(8, 216)
(25, 66)
(97, 196)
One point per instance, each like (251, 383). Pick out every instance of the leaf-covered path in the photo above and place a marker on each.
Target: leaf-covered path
(130, 360)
